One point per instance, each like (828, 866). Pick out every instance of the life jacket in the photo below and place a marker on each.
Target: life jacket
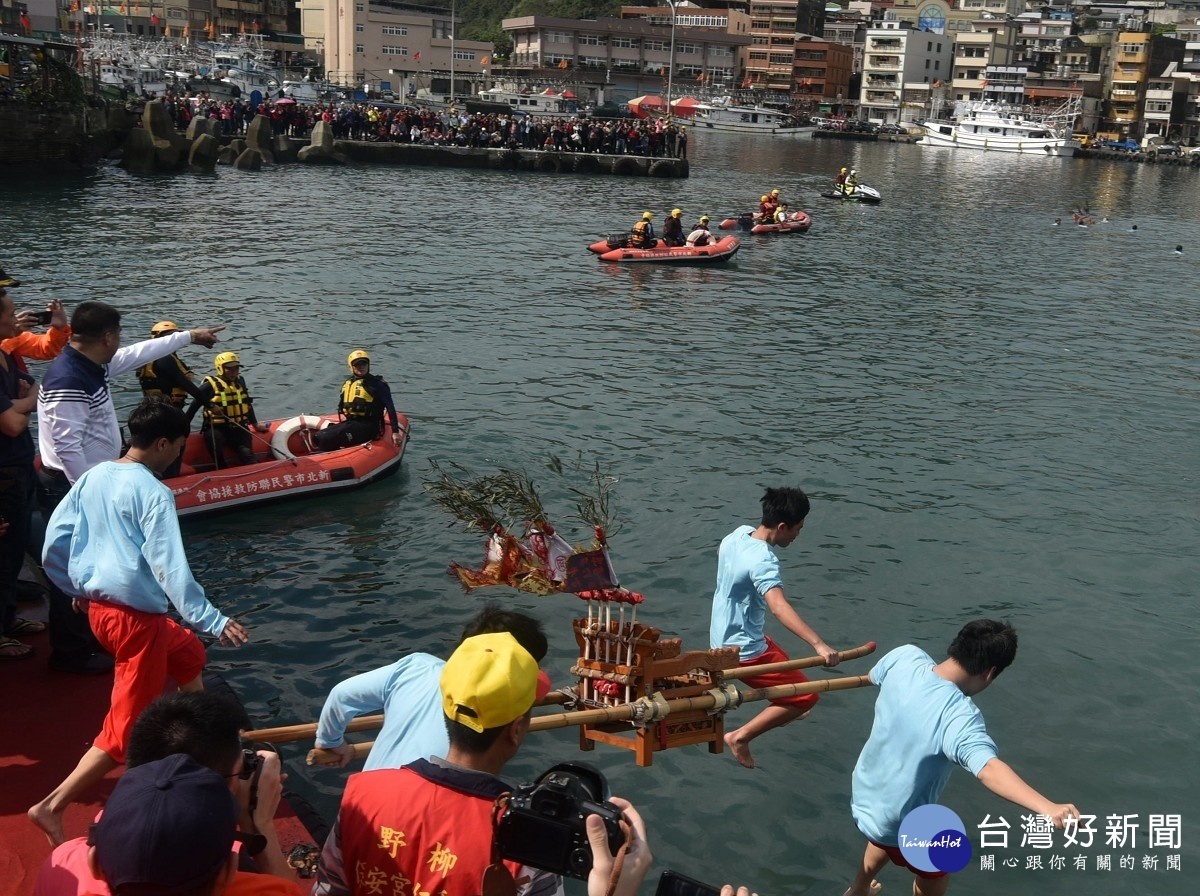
(230, 402)
(151, 386)
(641, 233)
(357, 402)
(400, 825)
(699, 236)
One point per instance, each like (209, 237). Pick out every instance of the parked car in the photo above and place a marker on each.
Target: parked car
(1126, 145)
(1168, 149)
(1194, 151)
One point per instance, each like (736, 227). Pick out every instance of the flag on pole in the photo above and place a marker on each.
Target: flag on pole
(417, 56)
(25, 23)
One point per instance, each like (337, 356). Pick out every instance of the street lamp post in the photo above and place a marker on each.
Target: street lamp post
(452, 7)
(671, 63)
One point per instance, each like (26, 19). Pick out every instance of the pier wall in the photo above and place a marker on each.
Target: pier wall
(60, 135)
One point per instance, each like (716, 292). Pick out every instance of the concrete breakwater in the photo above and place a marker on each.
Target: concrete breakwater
(60, 135)
(158, 146)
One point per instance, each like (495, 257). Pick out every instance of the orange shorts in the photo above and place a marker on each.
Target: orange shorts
(149, 648)
(775, 654)
(897, 856)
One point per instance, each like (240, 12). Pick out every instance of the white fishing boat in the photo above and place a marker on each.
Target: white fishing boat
(725, 115)
(997, 128)
(547, 103)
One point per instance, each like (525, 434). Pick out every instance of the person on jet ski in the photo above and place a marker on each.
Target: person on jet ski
(839, 182)
(851, 182)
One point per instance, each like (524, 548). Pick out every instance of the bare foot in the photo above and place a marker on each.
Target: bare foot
(740, 751)
(50, 822)
(875, 887)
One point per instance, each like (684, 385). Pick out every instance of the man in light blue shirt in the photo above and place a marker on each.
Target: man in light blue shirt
(113, 544)
(748, 583)
(925, 724)
(408, 694)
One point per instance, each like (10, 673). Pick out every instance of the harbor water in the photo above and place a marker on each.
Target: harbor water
(993, 415)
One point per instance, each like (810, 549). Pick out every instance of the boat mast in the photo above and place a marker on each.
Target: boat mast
(452, 7)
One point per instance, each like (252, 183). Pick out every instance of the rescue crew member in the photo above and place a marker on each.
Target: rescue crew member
(170, 378)
(851, 182)
(365, 397)
(781, 213)
(773, 199)
(643, 232)
(700, 235)
(228, 411)
(673, 228)
(765, 210)
(839, 182)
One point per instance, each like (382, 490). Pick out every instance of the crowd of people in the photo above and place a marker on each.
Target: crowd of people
(389, 124)
(421, 817)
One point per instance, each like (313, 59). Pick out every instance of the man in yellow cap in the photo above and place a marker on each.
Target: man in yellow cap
(673, 230)
(430, 822)
(364, 400)
(228, 412)
(699, 235)
(642, 236)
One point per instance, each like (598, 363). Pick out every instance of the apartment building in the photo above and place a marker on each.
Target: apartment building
(407, 45)
(901, 66)
(632, 55)
(990, 43)
(821, 77)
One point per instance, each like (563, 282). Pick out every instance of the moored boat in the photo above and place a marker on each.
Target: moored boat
(721, 250)
(796, 222)
(994, 127)
(286, 467)
(724, 115)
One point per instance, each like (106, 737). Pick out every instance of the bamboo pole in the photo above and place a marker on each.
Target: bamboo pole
(288, 733)
(651, 708)
(807, 662)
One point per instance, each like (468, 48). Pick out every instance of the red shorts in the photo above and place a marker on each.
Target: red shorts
(897, 858)
(775, 654)
(149, 648)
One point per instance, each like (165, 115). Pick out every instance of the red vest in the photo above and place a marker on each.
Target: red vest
(410, 830)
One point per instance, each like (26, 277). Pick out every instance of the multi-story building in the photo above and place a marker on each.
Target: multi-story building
(901, 66)
(991, 43)
(1137, 55)
(630, 56)
(822, 74)
(409, 45)
(774, 25)
(1189, 73)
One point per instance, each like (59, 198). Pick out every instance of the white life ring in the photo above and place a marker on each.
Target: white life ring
(285, 430)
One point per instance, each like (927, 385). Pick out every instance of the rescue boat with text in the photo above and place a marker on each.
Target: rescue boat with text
(286, 466)
(617, 248)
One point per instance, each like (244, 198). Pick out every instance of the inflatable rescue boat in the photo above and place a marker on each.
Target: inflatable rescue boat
(796, 222)
(286, 466)
(617, 249)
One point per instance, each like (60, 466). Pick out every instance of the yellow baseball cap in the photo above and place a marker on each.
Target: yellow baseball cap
(491, 681)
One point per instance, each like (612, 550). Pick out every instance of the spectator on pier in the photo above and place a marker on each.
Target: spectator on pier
(925, 724)
(113, 544)
(18, 399)
(488, 686)
(207, 727)
(228, 412)
(168, 829)
(748, 584)
(407, 694)
(77, 429)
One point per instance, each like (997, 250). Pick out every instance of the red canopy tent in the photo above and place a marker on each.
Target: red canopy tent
(685, 106)
(643, 106)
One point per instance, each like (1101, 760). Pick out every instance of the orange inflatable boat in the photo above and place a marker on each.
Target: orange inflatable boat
(286, 467)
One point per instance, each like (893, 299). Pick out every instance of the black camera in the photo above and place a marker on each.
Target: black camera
(545, 823)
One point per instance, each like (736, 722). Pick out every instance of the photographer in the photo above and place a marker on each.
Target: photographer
(430, 823)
